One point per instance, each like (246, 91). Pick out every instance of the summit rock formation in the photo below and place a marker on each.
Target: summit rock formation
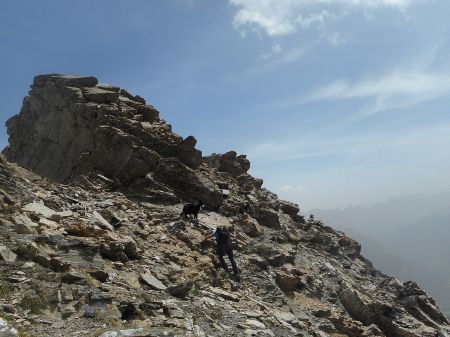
(92, 185)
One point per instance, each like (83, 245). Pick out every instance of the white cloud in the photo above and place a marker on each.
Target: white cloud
(335, 38)
(282, 17)
(271, 60)
(275, 17)
(288, 188)
(397, 89)
(315, 18)
(276, 49)
(375, 144)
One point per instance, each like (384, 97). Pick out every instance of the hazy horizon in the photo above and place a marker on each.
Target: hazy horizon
(369, 204)
(406, 237)
(335, 103)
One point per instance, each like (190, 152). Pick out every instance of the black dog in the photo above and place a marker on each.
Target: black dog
(190, 210)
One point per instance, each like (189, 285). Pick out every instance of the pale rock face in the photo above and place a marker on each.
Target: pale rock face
(87, 127)
(6, 254)
(100, 248)
(6, 330)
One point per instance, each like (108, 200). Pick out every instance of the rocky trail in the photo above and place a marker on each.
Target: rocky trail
(92, 243)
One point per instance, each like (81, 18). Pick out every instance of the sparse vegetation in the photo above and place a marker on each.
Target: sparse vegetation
(195, 291)
(49, 276)
(98, 332)
(23, 333)
(104, 316)
(92, 282)
(31, 302)
(5, 289)
(6, 317)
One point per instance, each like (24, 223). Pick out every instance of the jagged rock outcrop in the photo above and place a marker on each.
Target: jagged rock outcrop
(84, 126)
(229, 162)
(107, 253)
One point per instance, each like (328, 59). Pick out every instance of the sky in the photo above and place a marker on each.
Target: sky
(335, 102)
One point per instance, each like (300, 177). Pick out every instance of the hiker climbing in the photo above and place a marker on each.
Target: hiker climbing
(224, 237)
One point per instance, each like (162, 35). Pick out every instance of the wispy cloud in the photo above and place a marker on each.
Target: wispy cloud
(307, 21)
(289, 188)
(283, 17)
(397, 89)
(376, 145)
(276, 49)
(277, 57)
(274, 17)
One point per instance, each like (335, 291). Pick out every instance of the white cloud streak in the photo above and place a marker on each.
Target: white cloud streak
(373, 145)
(283, 17)
(276, 49)
(289, 188)
(398, 89)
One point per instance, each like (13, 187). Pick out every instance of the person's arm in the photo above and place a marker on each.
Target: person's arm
(209, 236)
(234, 233)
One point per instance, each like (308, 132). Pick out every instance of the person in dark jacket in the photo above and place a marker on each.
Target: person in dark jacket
(224, 237)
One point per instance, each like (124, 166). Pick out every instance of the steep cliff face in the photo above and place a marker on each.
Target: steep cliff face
(97, 246)
(69, 126)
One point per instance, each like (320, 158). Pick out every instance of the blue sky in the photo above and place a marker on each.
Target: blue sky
(336, 102)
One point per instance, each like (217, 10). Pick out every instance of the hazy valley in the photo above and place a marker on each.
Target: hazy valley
(407, 236)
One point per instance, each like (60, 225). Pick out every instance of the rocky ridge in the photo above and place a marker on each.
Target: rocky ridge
(91, 241)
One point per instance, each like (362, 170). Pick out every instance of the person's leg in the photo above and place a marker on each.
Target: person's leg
(221, 253)
(233, 262)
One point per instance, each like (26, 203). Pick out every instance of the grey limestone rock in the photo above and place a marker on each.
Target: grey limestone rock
(6, 330)
(189, 184)
(69, 126)
(100, 95)
(229, 162)
(152, 281)
(6, 254)
(65, 80)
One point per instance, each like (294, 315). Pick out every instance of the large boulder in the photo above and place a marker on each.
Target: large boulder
(289, 207)
(250, 226)
(249, 183)
(122, 250)
(349, 246)
(186, 152)
(268, 217)
(188, 184)
(285, 280)
(100, 95)
(229, 162)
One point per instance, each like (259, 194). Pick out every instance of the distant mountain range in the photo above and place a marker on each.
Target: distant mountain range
(407, 237)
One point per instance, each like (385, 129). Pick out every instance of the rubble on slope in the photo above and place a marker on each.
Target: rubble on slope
(107, 253)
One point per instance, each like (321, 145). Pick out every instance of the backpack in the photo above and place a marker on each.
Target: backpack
(223, 234)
